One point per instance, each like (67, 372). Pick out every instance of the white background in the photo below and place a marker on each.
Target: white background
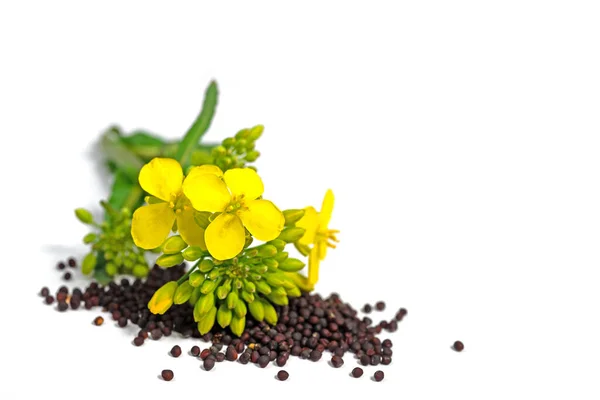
(461, 139)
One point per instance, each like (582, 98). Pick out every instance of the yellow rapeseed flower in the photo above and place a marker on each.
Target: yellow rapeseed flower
(151, 224)
(234, 194)
(317, 234)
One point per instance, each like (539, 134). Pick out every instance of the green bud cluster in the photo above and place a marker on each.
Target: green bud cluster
(112, 247)
(251, 284)
(237, 151)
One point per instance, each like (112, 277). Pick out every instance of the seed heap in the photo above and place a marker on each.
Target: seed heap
(308, 327)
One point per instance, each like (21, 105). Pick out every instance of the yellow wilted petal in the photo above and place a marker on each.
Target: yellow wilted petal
(151, 225)
(161, 177)
(321, 246)
(244, 181)
(206, 192)
(189, 230)
(162, 299)
(263, 219)
(225, 237)
(205, 169)
(326, 209)
(310, 222)
(313, 266)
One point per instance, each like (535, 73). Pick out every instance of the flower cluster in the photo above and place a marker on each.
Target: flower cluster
(216, 216)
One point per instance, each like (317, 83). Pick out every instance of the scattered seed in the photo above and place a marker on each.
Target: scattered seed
(98, 321)
(62, 306)
(367, 308)
(61, 265)
(458, 346)
(167, 374)
(138, 341)
(67, 276)
(378, 376)
(380, 306)
(72, 262)
(195, 351)
(176, 351)
(209, 363)
(283, 375)
(337, 361)
(49, 299)
(122, 322)
(44, 292)
(357, 372)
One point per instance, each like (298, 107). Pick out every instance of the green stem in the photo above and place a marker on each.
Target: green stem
(187, 274)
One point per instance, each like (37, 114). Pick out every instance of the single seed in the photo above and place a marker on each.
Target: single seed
(263, 361)
(49, 299)
(387, 343)
(98, 321)
(61, 265)
(176, 351)
(209, 363)
(357, 372)
(138, 341)
(378, 376)
(72, 262)
(62, 306)
(195, 351)
(67, 276)
(365, 360)
(375, 359)
(167, 374)
(337, 361)
(122, 322)
(220, 357)
(380, 306)
(205, 353)
(283, 375)
(459, 346)
(315, 355)
(44, 292)
(231, 354)
(367, 308)
(386, 360)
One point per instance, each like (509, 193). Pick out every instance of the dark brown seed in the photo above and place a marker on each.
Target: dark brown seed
(244, 358)
(254, 356)
(205, 353)
(167, 374)
(156, 334)
(67, 276)
(459, 346)
(378, 376)
(365, 360)
(367, 308)
(380, 306)
(283, 375)
(337, 361)
(357, 372)
(98, 321)
(195, 351)
(231, 354)
(62, 306)
(61, 297)
(386, 360)
(61, 265)
(72, 262)
(138, 341)
(263, 361)
(401, 314)
(281, 361)
(220, 357)
(387, 343)
(375, 359)
(209, 363)
(44, 292)
(315, 355)
(176, 351)
(49, 299)
(122, 322)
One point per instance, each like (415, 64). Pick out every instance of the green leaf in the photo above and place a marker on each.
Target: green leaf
(118, 153)
(143, 144)
(199, 127)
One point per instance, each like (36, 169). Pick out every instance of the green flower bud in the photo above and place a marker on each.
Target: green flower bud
(232, 299)
(224, 316)
(207, 321)
(183, 293)
(90, 238)
(261, 269)
(84, 215)
(302, 248)
(270, 313)
(256, 132)
(162, 299)
(215, 273)
(279, 291)
(195, 296)
(291, 234)
(251, 253)
(228, 142)
(274, 279)
(223, 291)
(242, 134)
(173, 245)
(267, 250)
(249, 297)
(203, 305)
(292, 216)
(240, 146)
(108, 255)
(219, 151)
(280, 257)
(169, 260)
(192, 253)
(140, 270)
(237, 283)
(202, 218)
(279, 300)
(240, 309)
(252, 155)
(237, 325)
(257, 310)
(263, 287)
(110, 269)
(208, 286)
(206, 265)
(279, 244)
(293, 292)
(291, 265)
(89, 263)
(196, 278)
(270, 263)
(249, 286)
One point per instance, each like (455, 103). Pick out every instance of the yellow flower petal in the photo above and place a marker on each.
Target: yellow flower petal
(189, 230)
(313, 266)
(326, 209)
(244, 181)
(205, 169)
(151, 225)
(263, 219)
(162, 178)
(225, 237)
(206, 192)
(310, 222)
